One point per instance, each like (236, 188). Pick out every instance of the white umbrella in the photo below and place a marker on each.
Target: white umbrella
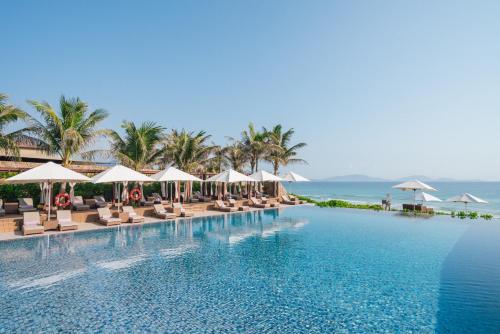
(263, 176)
(414, 185)
(120, 173)
(48, 173)
(294, 177)
(174, 174)
(425, 197)
(230, 176)
(466, 198)
(123, 175)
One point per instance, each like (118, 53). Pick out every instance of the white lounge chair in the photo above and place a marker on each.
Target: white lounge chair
(106, 218)
(219, 205)
(179, 210)
(133, 217)
(162, 213)
(65, 222)
(78, 204)
(31, 223)
(234, 204)
(26, 205)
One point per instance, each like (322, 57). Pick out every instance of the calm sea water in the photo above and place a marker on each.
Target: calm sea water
(297, 270)
(374, 192)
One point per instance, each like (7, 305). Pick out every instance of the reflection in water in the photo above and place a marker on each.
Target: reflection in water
(67, 255)
(469, 293)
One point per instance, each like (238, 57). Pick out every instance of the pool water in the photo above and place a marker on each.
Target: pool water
(295, 270)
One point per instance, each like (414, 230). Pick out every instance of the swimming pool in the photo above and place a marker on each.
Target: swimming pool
(294, 270)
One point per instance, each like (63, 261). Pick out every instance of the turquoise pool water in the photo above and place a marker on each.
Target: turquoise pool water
(297, 270)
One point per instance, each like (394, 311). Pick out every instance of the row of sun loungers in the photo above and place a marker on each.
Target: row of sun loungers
(32, 224)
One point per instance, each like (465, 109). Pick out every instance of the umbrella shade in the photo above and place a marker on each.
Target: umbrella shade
(294, 177)
(263, 176)
(120, 173)
(174, 174)
(466, 198)
(230, 176)
(48, 172)
(425, 197)
(414, 185)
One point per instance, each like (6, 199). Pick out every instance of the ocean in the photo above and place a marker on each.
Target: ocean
(374, 192)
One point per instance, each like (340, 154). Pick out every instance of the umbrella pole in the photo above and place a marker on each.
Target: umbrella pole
(50, 201)
(414, 201)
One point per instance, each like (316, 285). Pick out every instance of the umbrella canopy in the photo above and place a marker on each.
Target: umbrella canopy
(174, 174)
(294, 177)
(425, 197)
(230, 176)
(414, 185)
(466, 198)
(120, 173)
(263, 176)
(48, 172)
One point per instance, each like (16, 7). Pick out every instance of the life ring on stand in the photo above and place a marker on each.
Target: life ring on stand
(62, 200)
(135, 194)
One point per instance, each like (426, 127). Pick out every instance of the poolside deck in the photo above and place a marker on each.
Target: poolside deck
(88, 220)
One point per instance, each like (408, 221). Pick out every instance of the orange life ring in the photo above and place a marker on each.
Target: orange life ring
(62, 200)
(135, 194)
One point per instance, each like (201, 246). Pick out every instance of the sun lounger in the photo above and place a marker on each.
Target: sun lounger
(158, 199)
(25, 205)
(64, 221)
(133, 217)
(147, 202)
(286, 200)
(177, 209)
(2, 210)
(202, 198)
(31, 223)
(100, 202)
(162, 213)
(106, 218)
(219, 205)
(78, 204)
(257, 204)
(233, 204)
(295, 199)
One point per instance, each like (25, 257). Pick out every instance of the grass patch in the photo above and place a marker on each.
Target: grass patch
(335, 203)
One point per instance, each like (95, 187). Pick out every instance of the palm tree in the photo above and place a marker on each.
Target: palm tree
(236, 156)
(254, 143)
(217, 160)
(9, 114)
(141, 147)
(70, 131)
(188, 151)
(280, 153)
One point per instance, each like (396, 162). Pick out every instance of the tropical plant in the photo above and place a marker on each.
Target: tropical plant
(188, 151)
(236, 156)
(69, 132)
(255, 145)
(280, 153)
(140, 147)
(217, 161)
(9, 114)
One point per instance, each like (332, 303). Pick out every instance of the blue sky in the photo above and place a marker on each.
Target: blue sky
(384, 88)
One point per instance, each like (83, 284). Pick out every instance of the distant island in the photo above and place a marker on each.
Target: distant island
(366, 178)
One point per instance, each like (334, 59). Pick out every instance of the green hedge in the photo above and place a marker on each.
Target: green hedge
(335, 203)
